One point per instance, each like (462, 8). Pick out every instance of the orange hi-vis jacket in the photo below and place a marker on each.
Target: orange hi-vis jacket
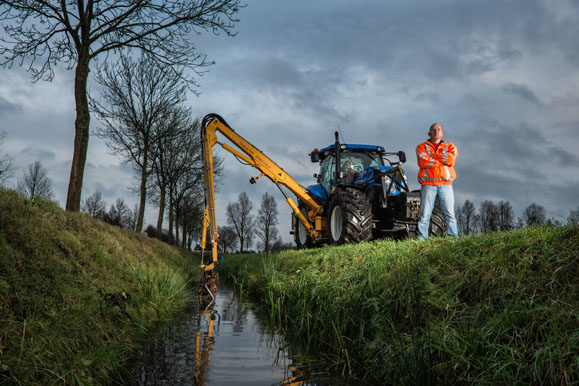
(436, 166)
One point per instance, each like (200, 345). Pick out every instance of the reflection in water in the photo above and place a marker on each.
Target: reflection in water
(223, 344)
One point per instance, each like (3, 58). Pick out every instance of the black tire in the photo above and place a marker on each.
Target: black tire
(437, 222)
(301, 238)
(349, 217)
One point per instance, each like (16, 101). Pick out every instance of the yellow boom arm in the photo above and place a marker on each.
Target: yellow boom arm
(212, 123)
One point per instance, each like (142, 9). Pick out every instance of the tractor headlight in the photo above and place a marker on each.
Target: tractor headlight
(388, 185)
(392, 187)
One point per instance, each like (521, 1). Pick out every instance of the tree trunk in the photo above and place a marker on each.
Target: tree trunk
(161, 211)
(170, 218)
(81, 128)
(144, 175)
(184, 237)
(176, 220)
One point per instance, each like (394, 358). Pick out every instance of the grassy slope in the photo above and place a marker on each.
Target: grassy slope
(63, 315)
(487, 309)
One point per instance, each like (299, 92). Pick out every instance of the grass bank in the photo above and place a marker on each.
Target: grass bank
(488, 309)
(78, 297)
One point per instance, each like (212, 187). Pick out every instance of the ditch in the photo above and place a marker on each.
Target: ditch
(228, 346)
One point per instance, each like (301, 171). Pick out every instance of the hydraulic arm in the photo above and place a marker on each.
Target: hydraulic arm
(211, 124)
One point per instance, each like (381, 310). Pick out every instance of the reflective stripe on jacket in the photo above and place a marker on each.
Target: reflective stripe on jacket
(436, 166)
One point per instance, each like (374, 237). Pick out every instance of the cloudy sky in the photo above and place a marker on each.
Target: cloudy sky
(501, 76)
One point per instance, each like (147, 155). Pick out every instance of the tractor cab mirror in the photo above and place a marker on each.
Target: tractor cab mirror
(402, 156)
(315, 156)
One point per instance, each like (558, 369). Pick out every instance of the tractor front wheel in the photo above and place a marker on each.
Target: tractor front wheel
(350, 217)
(301, 236)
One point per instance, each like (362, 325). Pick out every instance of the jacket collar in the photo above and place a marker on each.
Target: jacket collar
(431, 144)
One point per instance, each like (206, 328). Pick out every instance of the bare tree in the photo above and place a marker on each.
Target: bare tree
(279, 245)
(467, 218)
(573, 218)
(172, 159)
(534, 214)
(187, 186)
(506, 216)
(138, 99)
(119, 214)
(489, 216)
(227, 238)
(35, 183)
(132, 218)
(95, 206)
(189, 216)
(240, 217)
(76, 32)
(5, 162)
(266, 226)
(178, 167)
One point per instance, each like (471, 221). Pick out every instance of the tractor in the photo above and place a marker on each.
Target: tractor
(364, 196)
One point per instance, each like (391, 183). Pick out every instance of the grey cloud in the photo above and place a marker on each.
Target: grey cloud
(8, 106)
(522, 91)
(32, 154)
(307, 90)
(430, 97)
(279, 72)
(521, 146)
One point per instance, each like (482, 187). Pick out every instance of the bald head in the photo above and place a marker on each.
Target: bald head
(435, 133)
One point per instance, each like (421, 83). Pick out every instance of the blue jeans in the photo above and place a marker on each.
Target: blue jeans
(428, 195)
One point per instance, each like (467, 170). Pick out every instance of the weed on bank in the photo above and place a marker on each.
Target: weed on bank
(498, 308)
(78, 297)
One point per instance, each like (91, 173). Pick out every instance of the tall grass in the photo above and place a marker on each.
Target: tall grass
(79, 297)
(488, 309)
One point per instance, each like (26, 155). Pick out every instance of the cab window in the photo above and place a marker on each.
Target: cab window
(327, 173)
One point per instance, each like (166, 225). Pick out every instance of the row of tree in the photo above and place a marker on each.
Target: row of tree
(493, 217)
(183, 188)
(119, 213)
(35, 184)
(145, 121)
(244, 226)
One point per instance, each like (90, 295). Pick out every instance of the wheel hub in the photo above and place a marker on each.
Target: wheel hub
(336, 223)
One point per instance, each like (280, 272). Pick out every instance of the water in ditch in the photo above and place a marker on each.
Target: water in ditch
(225, 346)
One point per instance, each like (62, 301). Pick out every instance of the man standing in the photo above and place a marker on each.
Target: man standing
(436, 161)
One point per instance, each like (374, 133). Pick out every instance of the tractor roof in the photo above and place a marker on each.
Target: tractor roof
(351, 147)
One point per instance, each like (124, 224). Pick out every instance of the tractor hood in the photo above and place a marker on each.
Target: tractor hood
(376, 176)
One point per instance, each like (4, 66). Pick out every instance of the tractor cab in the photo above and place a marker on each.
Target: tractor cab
(360, 166)
(354, 160)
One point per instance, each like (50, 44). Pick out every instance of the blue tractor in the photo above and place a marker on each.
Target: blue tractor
(365, 196)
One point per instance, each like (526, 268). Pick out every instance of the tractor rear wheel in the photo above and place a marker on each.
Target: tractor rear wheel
(350, 217)
(437, 225)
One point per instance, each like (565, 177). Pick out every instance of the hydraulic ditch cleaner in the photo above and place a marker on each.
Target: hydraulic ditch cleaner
(360, 193)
